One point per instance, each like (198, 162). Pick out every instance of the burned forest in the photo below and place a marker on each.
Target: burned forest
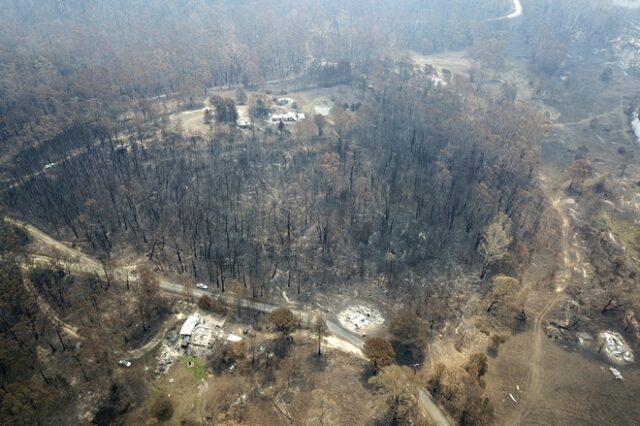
(335, 213)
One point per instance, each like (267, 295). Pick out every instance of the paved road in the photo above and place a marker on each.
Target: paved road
(517, 6)
(517, 11)
(334, 327)
(87, 263)
(432, 408)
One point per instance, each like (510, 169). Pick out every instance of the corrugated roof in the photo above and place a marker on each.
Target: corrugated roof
(189, 325)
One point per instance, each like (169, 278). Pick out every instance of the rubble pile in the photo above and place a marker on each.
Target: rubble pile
(615, 347)
(626, 48)
(167, 356)
(358, 317)
(616, 373)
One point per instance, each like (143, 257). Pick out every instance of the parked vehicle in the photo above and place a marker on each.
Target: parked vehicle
(124, 363)
(202, 286)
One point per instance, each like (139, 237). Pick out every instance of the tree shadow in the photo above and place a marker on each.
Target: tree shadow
(281, 346)
(407, 355)
(368, 372)
(318, 362)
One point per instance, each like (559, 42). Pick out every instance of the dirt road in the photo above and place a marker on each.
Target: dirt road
(67, 253)
(535, 381)
(154, 342)
(432, 408)
(50, 313)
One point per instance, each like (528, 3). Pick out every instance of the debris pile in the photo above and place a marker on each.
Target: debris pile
(626, 47)
(437, 80)
(202, 340)
(358, 317)
(287, 117)
(615, 347)
(168, 355)
(284, 101)
(616, 373)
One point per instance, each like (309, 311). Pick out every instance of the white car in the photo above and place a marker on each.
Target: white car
(124, 363)
(48, 166)
(202, 286)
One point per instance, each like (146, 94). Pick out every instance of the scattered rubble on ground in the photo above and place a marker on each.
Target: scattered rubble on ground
(437, 80)
(616, 373)
(626, 47)
(287, 117)
(615, 347)
(196, 337)
(203, 338)
(284, 102)
(169, 353)
(584, 339)
(359, 317)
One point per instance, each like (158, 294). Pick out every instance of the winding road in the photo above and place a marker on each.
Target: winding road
(517, 11)
(81, 262)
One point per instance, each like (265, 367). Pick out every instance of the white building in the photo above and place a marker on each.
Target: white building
(289, 117)
(189, 325)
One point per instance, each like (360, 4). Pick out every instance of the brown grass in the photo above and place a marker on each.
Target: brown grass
(576, 389)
